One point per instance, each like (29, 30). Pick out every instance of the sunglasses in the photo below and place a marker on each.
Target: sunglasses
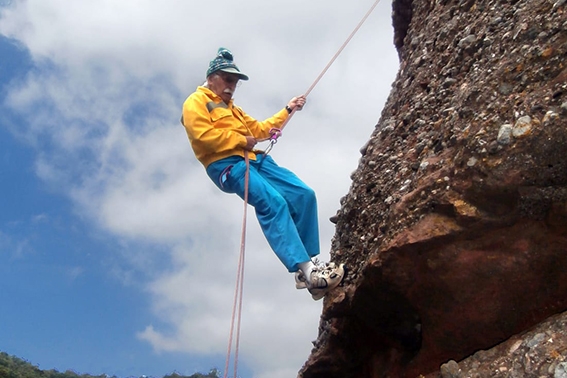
(229, 79)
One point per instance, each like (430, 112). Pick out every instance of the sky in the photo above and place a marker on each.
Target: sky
(118, 255)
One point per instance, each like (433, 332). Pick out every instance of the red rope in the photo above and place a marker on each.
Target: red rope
(239, 281)
(341, 49)
(329, 64)
(237, 309)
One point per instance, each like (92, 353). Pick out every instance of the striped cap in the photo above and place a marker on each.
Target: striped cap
(224, 62)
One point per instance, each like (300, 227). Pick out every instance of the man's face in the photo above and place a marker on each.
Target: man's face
(223, 84)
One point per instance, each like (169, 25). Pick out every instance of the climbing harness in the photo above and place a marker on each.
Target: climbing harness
(274, 135)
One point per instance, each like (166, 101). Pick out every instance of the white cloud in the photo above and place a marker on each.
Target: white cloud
(14, 248)
(278, 322)
(75, 272)
(103, 112)
(38, 218)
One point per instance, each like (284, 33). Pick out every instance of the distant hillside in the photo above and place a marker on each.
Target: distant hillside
(14, 367)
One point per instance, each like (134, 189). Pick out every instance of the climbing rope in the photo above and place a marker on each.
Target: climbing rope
(274, 135)
(237, 315)
(273, 140)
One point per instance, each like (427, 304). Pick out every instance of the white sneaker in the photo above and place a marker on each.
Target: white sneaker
(324, 277)
(300, 281)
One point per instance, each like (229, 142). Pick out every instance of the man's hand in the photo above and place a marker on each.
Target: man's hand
(297, 103)
(250, 143)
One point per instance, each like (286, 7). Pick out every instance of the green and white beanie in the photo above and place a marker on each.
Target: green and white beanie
(224, 62)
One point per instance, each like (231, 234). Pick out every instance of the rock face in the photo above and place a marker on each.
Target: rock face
(455, 227)
(540, 352)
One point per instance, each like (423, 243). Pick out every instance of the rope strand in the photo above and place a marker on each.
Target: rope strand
(237, 309)
(355, 30)
(341, 49)
(239, 281)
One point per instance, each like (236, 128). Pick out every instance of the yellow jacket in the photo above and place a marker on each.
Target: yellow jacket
(217, 130)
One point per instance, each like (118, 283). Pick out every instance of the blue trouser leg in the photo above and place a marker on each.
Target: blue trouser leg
(286, 208)
(300, 198)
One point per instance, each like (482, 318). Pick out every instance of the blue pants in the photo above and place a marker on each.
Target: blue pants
(285, 207)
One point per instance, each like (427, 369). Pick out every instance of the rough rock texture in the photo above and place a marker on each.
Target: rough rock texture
(540, 352)
(455, 227)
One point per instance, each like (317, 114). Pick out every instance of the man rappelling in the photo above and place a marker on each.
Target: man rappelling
(221, 135)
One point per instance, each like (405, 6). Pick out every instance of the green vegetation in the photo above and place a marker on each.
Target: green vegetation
(14, 367)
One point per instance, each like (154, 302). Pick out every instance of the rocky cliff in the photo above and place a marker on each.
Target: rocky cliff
(455, 227)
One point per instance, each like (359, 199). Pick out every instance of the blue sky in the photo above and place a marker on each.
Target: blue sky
(61, 309)
(118, 253)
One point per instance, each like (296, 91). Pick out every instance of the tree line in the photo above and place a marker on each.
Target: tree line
(14, 367)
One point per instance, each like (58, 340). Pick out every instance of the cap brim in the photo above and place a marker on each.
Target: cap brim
(234, 71)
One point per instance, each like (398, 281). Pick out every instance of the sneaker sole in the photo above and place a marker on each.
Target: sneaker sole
(301, 284)
(318, 294)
